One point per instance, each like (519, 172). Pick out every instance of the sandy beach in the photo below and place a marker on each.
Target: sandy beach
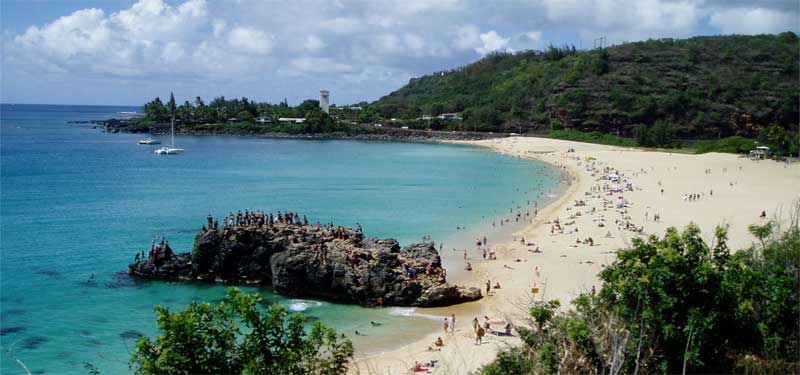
(615, 196)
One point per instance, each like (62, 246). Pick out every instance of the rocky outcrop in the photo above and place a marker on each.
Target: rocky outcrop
(366, 132)
(337, 264)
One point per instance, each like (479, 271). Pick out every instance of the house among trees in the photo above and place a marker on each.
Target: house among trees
(449, 116)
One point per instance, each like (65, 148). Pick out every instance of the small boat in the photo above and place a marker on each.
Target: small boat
(171, 150)
(149, 141)
(168, 151)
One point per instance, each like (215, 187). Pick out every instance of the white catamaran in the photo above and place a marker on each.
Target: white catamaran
(171, 150)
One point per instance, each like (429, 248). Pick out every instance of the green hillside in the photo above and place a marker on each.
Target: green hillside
(702, 87)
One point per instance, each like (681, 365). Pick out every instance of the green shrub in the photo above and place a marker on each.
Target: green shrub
(592, 137)
(207, 339)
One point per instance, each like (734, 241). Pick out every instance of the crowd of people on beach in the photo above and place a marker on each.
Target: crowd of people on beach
(606, 203)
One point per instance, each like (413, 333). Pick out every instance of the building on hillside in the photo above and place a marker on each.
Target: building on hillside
(263, 120)
(449, 116)
(324, 105)
(296, 120)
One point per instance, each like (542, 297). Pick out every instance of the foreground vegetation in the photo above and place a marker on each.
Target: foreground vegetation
(675, 305)
(238, 336)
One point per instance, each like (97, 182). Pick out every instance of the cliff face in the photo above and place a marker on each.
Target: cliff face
(337, 264)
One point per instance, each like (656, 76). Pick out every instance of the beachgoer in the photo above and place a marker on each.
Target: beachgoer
(453, 323)
(479, 335)
(446, 325)
(439, 342)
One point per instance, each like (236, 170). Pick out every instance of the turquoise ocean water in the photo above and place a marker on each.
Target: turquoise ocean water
(76, 204)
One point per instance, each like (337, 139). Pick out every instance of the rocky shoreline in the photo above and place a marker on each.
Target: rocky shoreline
(369, 133)
(301, 260)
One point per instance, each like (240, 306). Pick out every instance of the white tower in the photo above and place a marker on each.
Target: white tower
(323, 101)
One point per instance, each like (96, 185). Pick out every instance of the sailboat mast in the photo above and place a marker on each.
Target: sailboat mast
(173, 131)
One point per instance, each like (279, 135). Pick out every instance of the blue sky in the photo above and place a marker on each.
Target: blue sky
(127, 52)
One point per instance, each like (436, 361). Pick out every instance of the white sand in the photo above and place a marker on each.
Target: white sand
(742, 189)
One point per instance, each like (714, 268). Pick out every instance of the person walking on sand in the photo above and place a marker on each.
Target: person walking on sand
(479, 335)
(453, 323)
(488, 286)
(446, 325)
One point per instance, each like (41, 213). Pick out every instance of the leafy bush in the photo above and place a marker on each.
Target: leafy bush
(733, 145)
(675, 304)
(592, 137)
(662, 134)
(207, 339)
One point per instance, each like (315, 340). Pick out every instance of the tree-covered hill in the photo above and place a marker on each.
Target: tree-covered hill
(702, 87)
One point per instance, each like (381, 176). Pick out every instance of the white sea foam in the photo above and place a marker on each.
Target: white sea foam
(411, 312)
(298, 305)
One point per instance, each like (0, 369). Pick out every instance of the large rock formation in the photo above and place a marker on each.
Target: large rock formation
(337, 264)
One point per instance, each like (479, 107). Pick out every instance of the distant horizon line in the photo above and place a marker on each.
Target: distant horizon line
(65, 104)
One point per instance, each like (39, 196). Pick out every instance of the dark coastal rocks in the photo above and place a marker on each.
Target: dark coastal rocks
(337, 264)
(367, 132)
(445, 295)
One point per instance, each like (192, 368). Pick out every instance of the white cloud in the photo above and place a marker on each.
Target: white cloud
(467, 37)
(84, 31)
(313, 44)
(305, 65)
(621, 20)
(218, 26)
(748, 20)
(492, 41)
(249, 40)
(153, 20)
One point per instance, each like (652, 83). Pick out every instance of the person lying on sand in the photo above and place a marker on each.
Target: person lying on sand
(375, 324)
(419, 368)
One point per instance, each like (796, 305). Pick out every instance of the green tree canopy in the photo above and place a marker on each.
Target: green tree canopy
(238, 336)
(676, 304)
